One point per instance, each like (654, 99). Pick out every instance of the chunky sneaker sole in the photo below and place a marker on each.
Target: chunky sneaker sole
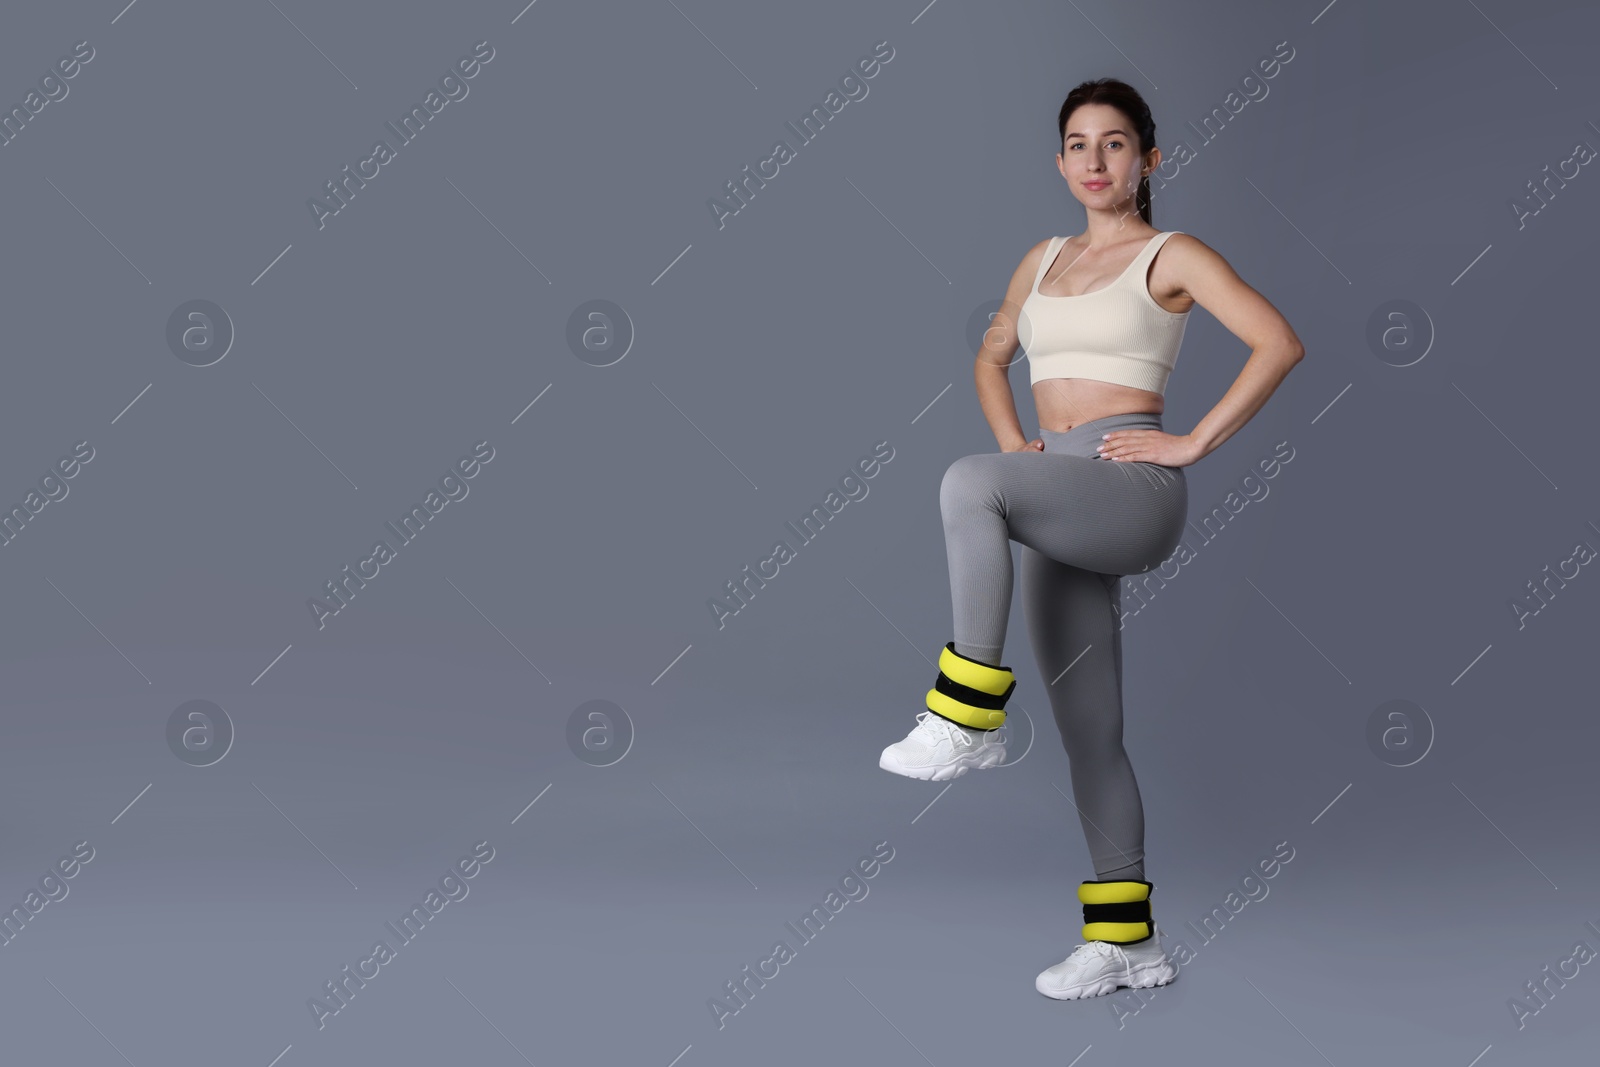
(1139, 977)
(1099, 967)
(993, 756)
(938, 750)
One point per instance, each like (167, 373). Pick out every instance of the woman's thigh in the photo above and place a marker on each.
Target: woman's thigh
(1098, 514)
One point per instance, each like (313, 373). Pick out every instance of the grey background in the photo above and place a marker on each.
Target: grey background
(829, 314)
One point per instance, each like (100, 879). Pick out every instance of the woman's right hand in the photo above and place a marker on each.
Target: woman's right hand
(1035, 445)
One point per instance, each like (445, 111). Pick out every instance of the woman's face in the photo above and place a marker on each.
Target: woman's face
(1100, 158)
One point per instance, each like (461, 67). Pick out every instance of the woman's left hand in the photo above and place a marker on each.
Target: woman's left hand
(1150, 446)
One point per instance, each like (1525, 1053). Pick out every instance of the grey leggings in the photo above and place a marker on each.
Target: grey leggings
(1082, 521)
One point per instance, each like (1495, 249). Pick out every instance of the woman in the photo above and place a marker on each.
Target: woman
(1099, 494)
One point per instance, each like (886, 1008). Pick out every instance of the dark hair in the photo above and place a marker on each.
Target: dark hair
(1126, 99)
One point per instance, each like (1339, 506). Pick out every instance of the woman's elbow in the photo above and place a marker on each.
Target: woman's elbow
(1294, 350)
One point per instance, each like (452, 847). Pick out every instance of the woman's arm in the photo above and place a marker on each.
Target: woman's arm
(991, 371)
(1249, 316)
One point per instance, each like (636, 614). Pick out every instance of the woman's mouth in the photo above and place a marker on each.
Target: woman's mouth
(1095, 186)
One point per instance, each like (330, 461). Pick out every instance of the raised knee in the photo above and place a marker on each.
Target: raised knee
(964, 477)
(963, 480)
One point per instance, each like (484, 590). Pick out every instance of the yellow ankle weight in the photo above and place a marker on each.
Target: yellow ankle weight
(971, 693)
(1116, 911)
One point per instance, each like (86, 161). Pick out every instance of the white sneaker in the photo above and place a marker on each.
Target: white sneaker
(1100, 967)
(937, 749)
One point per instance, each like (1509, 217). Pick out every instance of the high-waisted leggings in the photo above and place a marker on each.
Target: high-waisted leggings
(1082, 522)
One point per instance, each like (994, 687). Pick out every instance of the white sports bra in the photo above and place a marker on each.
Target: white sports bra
(1117, 334)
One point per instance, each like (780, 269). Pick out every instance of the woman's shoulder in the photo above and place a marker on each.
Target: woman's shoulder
(1180, 248)
(1037, 251)
(1182, 239)
(1033, 258)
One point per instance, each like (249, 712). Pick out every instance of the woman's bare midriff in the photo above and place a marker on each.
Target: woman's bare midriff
(1062, 403)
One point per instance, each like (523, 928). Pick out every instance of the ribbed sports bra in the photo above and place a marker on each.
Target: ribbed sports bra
(1117, 334)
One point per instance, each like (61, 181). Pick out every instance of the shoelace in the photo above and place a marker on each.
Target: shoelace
(1105, 948)
(935, 726)
(932, 727)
